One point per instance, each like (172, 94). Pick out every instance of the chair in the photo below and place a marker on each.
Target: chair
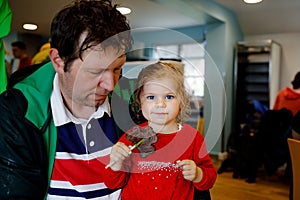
(294, 146)
(200, 125)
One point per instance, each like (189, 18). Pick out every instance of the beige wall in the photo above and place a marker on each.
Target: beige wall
(290, 64)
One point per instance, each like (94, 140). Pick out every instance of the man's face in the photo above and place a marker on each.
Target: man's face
(88, 82)
(17, 52)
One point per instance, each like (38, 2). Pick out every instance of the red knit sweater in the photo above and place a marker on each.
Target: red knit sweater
(158, 176)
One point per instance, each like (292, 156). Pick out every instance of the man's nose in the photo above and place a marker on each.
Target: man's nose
(107, 81)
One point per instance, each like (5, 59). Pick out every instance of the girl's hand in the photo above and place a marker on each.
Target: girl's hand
(190, 171)
(119, 153)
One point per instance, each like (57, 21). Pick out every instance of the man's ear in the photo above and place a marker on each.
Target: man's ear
(56, 60)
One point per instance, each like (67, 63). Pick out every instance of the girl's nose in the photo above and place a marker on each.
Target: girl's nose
(161, 102)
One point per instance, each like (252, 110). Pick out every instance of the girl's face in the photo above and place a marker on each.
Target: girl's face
(160, 104)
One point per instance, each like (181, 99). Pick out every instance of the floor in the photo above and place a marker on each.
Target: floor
(275, 187)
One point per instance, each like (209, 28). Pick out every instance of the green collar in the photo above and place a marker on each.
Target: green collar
(37, 89)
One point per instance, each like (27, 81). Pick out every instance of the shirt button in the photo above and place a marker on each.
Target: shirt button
(89, 126)
(92, 143)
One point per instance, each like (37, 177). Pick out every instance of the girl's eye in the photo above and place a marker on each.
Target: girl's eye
(150, 97)
(169, 97)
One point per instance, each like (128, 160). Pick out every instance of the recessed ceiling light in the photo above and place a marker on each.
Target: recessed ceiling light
(252, 1)
(31, 27)
(124, 10)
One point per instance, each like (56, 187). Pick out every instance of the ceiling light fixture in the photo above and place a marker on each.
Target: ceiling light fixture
(124, 10)
(30, 27)
(252, 1)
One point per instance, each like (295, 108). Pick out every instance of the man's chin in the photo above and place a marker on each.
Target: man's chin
(99, 102)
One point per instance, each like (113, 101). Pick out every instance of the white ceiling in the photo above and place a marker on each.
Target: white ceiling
(270, 16)
(145, 13)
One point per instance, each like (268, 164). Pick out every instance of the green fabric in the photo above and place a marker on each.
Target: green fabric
(5, 21)
(50, 138)
(37, 89)
(3, 77)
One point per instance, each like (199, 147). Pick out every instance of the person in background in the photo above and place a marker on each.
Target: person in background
(19, 52)
(42, 55)
(171, 157)
(289, 98)
(5, 22)
(295, 129)
(296, 126)
(56, 122)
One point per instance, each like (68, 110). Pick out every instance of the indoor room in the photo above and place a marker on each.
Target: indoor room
(235, 56)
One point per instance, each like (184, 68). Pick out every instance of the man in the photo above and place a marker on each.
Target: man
(56, 128)
(296, 126)
(19, 52)
(289, 98)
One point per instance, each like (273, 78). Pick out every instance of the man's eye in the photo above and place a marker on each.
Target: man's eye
(95, 73)
(169, 97)
(150, 97)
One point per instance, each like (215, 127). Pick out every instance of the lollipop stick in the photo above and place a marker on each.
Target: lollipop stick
(131, 148)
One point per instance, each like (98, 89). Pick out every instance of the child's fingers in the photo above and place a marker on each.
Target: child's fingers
(119, 152)
(188, 169)
(121, 148)
(186, 163)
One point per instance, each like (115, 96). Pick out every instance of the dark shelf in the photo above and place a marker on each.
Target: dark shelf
(248, 63)
(257, 73)
(252, 78)
(245, 82)
(243, 52)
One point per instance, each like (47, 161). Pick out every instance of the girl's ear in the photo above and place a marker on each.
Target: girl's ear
(57, 62)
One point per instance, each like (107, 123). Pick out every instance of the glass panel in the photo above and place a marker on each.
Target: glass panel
(194, 67)
(192, 56)
(192, 50)
(194, 73)
(195, 86)
(168, 51)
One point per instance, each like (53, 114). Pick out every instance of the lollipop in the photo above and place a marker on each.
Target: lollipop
(137, 133)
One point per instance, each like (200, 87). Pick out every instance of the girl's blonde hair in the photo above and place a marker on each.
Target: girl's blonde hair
(162, 70)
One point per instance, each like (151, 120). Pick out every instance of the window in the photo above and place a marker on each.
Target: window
(192, 56)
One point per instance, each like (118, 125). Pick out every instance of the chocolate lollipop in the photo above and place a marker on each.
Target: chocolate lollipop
(150, 137)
